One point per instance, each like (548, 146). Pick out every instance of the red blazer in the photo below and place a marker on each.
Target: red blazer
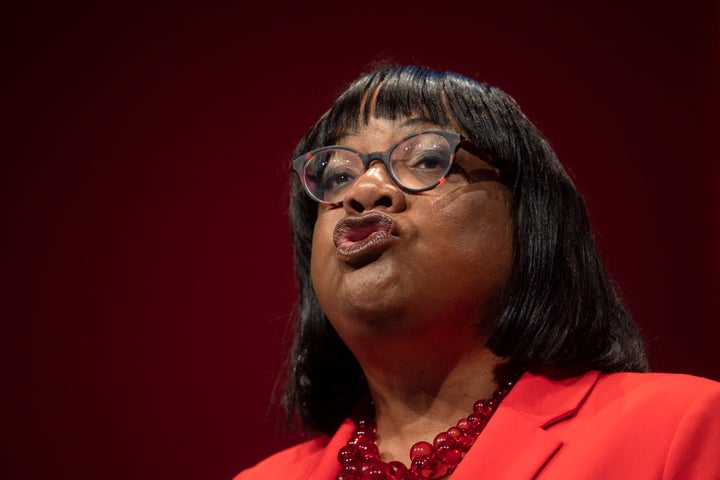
(625, 426)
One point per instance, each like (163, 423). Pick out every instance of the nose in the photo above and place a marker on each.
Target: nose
(375, 189)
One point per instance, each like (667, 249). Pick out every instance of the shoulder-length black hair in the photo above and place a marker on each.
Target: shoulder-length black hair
(562, 309)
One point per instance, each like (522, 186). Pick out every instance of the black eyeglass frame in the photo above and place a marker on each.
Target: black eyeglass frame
(455, 140)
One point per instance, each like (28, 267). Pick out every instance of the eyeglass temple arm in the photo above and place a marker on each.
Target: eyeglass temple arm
(469, 146)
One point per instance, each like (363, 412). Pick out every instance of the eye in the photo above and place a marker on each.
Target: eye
(332, 170)
(429, 160)
(336, 178)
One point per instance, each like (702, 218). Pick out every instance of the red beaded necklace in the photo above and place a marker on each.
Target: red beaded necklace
(360, 458)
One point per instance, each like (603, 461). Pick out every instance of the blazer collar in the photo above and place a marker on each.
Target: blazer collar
(515, 443)
(328, 466)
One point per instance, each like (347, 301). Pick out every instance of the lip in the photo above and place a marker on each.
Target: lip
(360, 240)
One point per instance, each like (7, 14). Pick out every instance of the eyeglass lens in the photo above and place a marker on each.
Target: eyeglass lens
(417, 163)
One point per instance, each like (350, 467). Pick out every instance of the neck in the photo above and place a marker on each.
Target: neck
(418, 396)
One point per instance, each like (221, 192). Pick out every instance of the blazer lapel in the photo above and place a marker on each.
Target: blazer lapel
(515, 443)
(328, 467)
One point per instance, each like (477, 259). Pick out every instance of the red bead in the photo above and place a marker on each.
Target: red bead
(349, 472)
(406, 475)
(347, 454)
(424, 466)
(366, 448)
(421, 448)
(376, 470)
(443, 438)
(397, 468)
(450, 456)
(360, 432)
(462, 424)
(474, 424)
(467, 442)
(455, 433)
(481, 408)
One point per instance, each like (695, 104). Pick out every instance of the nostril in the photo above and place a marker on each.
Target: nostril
(383, 201)
(355, 205)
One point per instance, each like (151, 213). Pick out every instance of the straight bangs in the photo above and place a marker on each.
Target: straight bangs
(385, 94)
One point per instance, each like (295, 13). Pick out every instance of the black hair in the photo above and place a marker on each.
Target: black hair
(562, 309)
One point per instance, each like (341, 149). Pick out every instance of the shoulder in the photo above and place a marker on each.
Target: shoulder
(660, 380)
(666, 398)
(626, 425)
(548, 398)
(316, 458)
(661, 389)
(296, 459)
(679, 402)
(670, 416)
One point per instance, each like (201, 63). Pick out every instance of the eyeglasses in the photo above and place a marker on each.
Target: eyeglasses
(418, 162)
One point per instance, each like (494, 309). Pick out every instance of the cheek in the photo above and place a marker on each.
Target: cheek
(476, 238)
(323, 249)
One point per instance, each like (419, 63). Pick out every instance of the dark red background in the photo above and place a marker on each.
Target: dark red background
(144, 230)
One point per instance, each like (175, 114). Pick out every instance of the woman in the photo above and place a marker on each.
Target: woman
(447, 271)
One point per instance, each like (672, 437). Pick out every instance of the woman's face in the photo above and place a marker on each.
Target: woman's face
(388, 262)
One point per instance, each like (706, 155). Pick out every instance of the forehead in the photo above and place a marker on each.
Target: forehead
(381, 133)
